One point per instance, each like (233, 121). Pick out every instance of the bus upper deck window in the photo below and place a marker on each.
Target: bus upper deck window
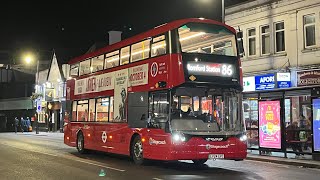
(125, 55)
(158, 46)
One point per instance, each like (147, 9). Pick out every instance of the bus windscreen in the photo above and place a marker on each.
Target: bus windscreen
(207, 39)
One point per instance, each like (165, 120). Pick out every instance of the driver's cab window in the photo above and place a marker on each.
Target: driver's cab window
(158, 109)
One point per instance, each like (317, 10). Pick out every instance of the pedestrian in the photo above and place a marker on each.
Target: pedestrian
(294, 139)
(28, 123)
(21, 124)
(50, 123)
(16, 124)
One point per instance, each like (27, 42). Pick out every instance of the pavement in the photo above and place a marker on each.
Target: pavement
(287, 161)
(305, 163)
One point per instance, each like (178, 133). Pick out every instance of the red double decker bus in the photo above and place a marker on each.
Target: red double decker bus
(171, 93)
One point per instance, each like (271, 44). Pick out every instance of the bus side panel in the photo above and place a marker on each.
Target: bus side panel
(157, 144)
(113, 137)
(67, 135)
(176, 71)
(87, 131)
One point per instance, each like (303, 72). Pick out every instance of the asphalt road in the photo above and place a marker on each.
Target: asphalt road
(27, 156)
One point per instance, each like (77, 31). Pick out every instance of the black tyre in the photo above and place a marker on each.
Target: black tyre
(137, 151)
(80, 143)
(200, 161)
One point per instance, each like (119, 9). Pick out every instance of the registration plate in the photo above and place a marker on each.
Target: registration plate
(216, 156)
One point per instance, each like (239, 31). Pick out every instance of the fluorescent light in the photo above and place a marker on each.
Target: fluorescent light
(192, 36)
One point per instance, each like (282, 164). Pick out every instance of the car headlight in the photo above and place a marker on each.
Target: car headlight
(243, 138)
(177, 137)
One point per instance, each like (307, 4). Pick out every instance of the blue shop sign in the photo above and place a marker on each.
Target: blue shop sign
(265, 82)
(283, 80)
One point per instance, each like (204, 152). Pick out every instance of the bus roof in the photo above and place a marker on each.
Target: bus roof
(153, 32)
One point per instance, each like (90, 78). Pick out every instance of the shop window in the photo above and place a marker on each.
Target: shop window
(85, 67)
(265, 40)
(97, 63)
(102, 106)
(140, 50)
(158, 46)
(309, 27)
(279, 37)
(252, 41)
(298, 124)
(112, 60)
(250, 116)
(125, 55)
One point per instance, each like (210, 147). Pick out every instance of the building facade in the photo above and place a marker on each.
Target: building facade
(16, 88)
(281, 67)
(50, 99)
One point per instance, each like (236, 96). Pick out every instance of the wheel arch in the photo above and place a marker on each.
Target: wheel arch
(134, 135)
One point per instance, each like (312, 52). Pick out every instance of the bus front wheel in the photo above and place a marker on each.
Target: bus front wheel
(199, 161)
(80, 143)
(137, 151)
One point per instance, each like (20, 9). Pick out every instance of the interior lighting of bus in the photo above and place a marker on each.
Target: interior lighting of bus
(192, 36)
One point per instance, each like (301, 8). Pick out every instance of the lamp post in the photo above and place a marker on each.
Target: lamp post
(223, 12)
(28, 59)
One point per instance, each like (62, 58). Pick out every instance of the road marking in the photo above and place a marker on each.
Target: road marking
(157, 179)
(69, 158)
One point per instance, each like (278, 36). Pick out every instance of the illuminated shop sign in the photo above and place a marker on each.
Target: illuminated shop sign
(249, 84)
(265, 82)
(210, 69)
(283, 80)
(308, 78)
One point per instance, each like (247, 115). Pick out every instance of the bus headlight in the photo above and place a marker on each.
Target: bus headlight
(243, 138)
(176, 137)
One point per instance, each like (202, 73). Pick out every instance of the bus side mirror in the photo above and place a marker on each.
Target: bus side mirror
(239, 35)
(240, 43)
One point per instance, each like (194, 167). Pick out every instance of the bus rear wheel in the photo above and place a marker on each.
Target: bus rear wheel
(199, 161)
(137, 151)
(80, 143)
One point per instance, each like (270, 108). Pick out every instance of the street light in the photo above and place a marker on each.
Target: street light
(28, 58)
(222, 8)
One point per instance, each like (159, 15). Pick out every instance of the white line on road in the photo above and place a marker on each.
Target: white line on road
(99, 165)
(157, 179)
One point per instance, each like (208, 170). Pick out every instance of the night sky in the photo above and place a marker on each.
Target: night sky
(72, 26)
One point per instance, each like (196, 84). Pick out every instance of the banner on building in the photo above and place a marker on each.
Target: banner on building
(120, 95)
(308, 78)
(269, 124)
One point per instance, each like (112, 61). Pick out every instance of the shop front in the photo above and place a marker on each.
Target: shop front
(282, 120)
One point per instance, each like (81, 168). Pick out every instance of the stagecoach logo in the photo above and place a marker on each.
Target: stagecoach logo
(104, 137)
(153, 141)
(209, 146)
(214, 139)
